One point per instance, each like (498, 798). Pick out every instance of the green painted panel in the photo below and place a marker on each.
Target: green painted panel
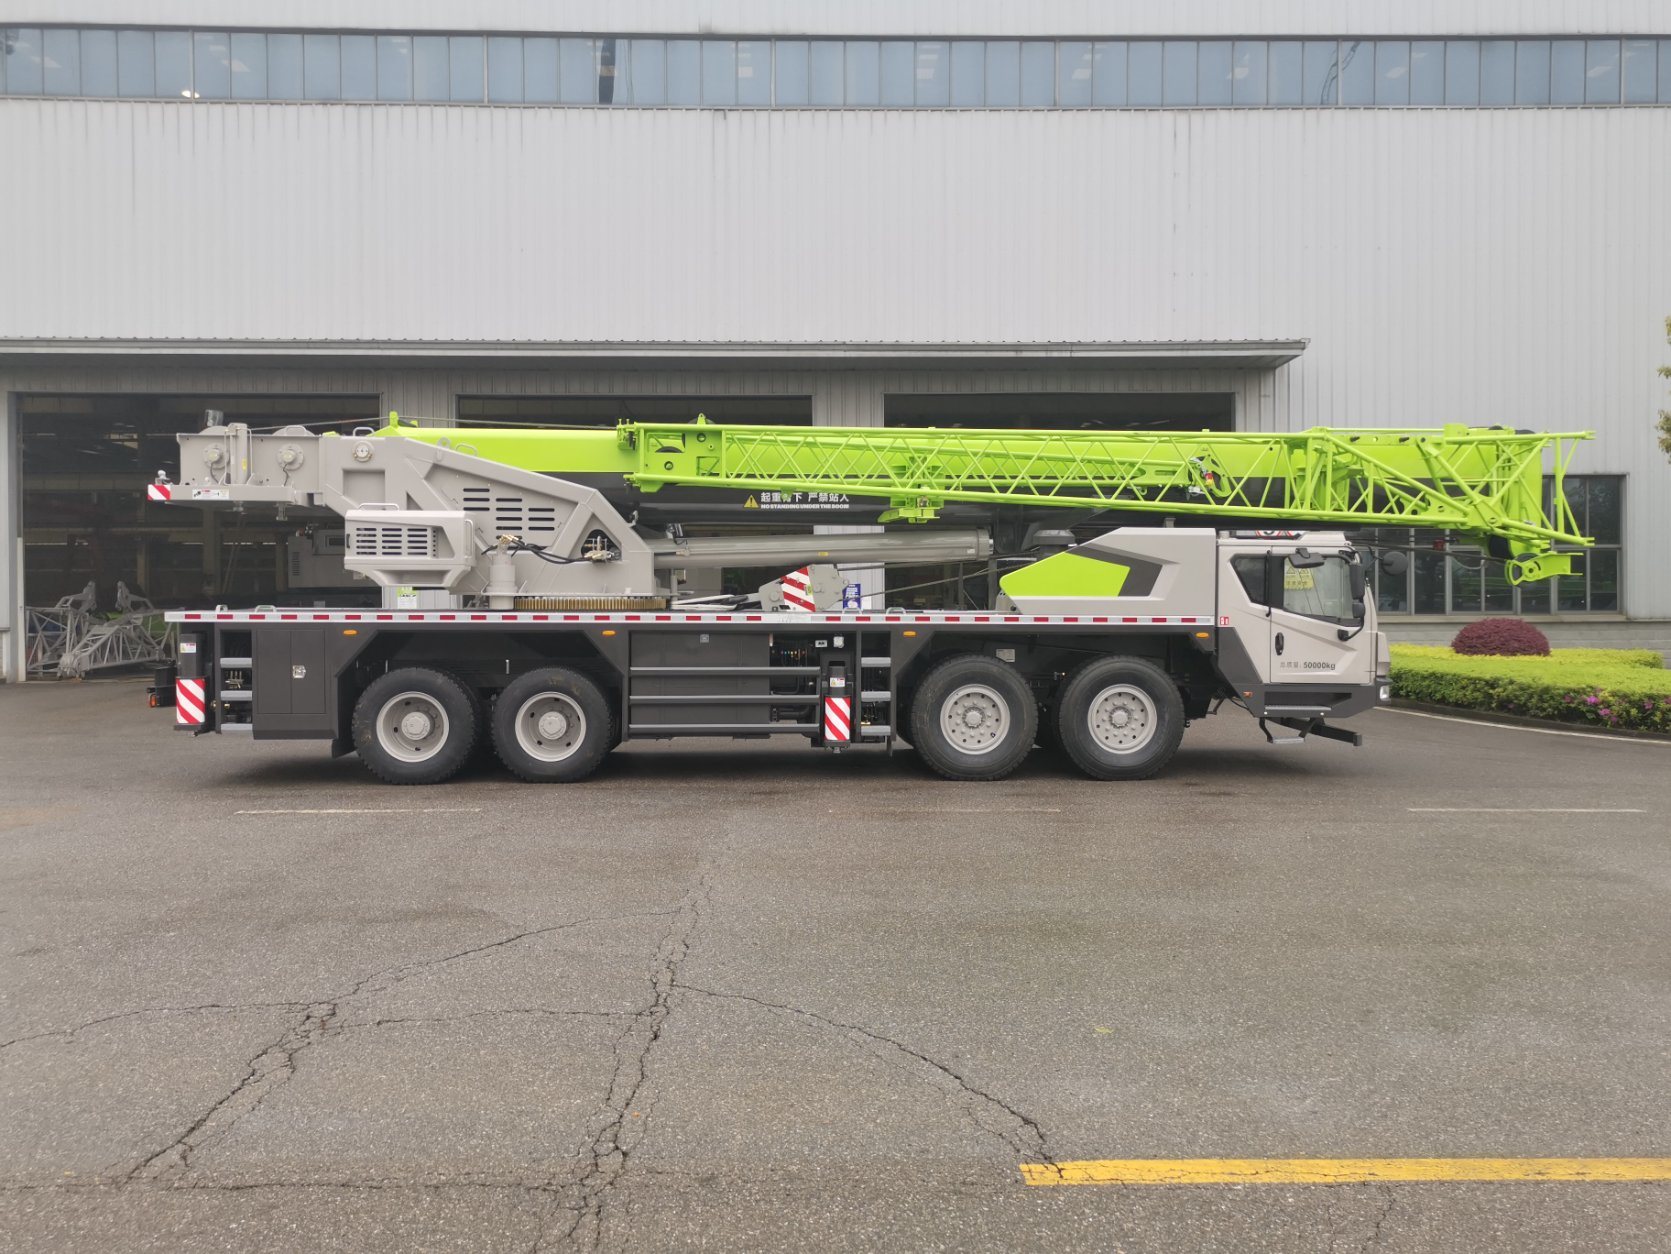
(1066, 575)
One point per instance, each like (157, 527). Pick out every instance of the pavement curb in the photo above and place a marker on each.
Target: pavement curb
(1521, 720)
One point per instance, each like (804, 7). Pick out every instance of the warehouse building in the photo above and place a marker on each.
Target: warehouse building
(1249, 217)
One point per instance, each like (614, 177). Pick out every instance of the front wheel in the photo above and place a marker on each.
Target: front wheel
(415, 726)
(553, 726)
(1120, 718)
(973, 718)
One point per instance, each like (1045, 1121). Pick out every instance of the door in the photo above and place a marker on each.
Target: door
(1317, 621)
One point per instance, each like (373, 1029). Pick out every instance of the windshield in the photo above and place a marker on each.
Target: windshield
(1319, 591)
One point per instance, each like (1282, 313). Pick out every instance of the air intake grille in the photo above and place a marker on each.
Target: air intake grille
(510, 515)
(391, 541)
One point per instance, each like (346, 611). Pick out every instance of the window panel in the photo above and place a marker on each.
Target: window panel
(1531, 72)
(1003, 73)
(1286, 78)
(968, 74)
(1604, 581)
(284, 67)
(863, 72)
(1640, 73)
(1322, 72)
(1248, 72)
(649, 71)
(1665, 71)
(1428, 571)
(1462, 72)
(934, 73)
(429, 68)
(789, 72)
(1534, 597)
(321, 67)
(61, 62)
(136, 64)
(1467, 578)
(898, 63)
(1357, 72)
(394, 67)
(98, 63)
(615, 71)
(578, 76)
(1392, 72)
(1215, 80)
(249, 67)
(1108, 84)
(212, 65)
(1074, 71)
(539, 70)
(1499, 592)
(173, 63)
(1178, 72)
(754, 72)
(1569, 589)
(684, 72)
(23, 61)
(1497, 72)
(464, 67)
(504, 69)
(1566, 72)
(826, 77)
(1606, 521)
(719, 72)
(1427, 72)
(1038, 74)
(1601, 71)
(359, 67)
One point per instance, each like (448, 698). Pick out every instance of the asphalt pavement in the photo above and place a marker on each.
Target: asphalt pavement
(754, 997)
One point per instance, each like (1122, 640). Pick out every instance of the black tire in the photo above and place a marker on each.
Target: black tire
(1138, 694)
(1004, 718)
(583, 717)
(381, 736)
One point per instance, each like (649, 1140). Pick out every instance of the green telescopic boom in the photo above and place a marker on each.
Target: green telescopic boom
(1484, 482)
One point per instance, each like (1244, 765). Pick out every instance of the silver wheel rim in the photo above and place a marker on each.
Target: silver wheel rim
(412, 726)
(550, 726)
(1122, 718)
(974, 719)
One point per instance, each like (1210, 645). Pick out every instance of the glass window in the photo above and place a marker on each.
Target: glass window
(898, 73)
(1467, 575)
(1606, 521)
(615, 71)
(1249, 72)
(1534, 597)
(173, 63)
(1640, 55)
(136, 64)
(23, 61)
(212, 65)
(394, 67)
(1251, 571)
(284, 67)
(754, 72)
(249, 67)
(1428, 579)
(1319, 591)
(1286, 85)
(1074, 69)
(1566, 72)
(1178, 81)
(1427, 72)
(1216, 79)
(1462, 72)
(1604, 580)
(1601, 71)
(1038, 74)
(1497, 72)
(1357, 72)
(825, 76)
(649, 71)
(1108, 80)
(1144, 72)
(1499, 592)
(539, 70)
(1003, 73)
(863, 72)
(789, 72)
(1392, 72)
(934, 73)
(684, 72)
(61, 60)
(504, 69)
(359, 67)
(1531, 72)
(1322, 73)
(719, 72)
(321, 67)
(1665, 71)
(429, 68)
(98, 63)
(968, 74)
(464, 66)
(1569, 589)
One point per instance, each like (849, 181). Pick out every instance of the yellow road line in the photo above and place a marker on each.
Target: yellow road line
(1341, 1170)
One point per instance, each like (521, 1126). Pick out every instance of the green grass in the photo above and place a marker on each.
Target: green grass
(1624, 688)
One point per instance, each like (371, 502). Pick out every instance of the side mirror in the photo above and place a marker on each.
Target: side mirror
(1305, 559)
(1393, 562)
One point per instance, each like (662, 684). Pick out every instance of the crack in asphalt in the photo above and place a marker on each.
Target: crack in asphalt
(1380, 1219)
(539, 1011)
(206, 1008)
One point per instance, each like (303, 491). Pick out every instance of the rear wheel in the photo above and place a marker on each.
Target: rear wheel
(415, 726)
(1120, 718)
(973, 718)
(553, 725)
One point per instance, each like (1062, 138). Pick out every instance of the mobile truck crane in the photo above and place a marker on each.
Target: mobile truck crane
(532, 586)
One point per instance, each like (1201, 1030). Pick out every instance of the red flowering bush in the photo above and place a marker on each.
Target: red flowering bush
(1501, 637)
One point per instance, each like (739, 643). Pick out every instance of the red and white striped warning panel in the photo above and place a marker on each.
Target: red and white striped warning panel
(797, 590)
(189, 703)
(838, 719)
(160, 492)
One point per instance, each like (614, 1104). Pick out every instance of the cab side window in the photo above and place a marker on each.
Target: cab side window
(1253, 571)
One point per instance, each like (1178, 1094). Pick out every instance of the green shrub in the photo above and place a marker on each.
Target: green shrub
(1624, 688)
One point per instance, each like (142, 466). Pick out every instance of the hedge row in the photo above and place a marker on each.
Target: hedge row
(1625, 688)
